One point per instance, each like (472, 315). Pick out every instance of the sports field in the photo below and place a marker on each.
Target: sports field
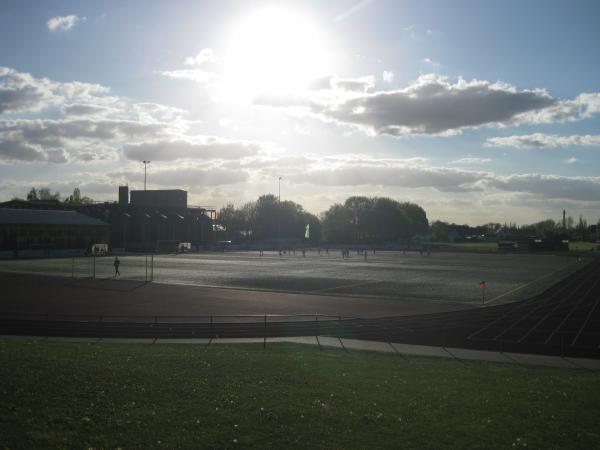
(442, 277)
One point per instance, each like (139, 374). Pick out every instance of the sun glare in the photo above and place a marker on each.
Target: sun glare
(274, 51)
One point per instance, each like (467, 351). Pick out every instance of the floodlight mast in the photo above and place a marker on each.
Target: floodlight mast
(279, 216)
(146, 162)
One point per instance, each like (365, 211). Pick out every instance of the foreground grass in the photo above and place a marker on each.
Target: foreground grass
(287, 396)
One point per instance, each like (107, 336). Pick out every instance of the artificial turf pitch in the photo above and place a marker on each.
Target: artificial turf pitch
(285, 396)
(441, 277)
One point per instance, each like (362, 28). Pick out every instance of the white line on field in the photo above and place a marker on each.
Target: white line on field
(524, 285)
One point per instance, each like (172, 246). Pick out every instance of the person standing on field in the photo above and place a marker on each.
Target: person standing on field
(117, 263)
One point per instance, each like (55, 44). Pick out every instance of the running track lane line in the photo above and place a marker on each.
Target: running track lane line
(525, 285)
(362, 283)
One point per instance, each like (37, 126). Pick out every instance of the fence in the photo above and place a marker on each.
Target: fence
(138, 267)
(162, 326)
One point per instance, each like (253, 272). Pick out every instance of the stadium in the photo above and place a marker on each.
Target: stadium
(530, 303)
(352, 224)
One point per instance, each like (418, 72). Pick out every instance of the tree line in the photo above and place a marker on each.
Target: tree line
(571, 229)
(44, 194)
(359, 220)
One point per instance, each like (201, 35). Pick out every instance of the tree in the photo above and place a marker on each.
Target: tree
(581, 232)
(359, 208)
(417, 218)
(233, 221)
(43, 194)
(376, 219)
(76, 199)
(337, 224)
(32, 195)
(388, 221)
(267, 218)
(439, 231)
(545, 228)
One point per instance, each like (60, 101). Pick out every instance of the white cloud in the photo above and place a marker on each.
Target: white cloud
(61, 141)
(63, 23)
(192, 175)
(361, 172)
(85, 110)
(205, 148)
(197, 75)
(90, 125)
(19, 150)
(436, 106)
(352, 10)
(442, 179)
(571, 160)
(336, 83)
(22, 92)
(198, 177)
(469, 160)
(388, 76)
(550, 186)
(206, 55)
(430, 62)
(541, 140)
(584, 106)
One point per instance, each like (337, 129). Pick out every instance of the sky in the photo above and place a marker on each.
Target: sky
(477, 111)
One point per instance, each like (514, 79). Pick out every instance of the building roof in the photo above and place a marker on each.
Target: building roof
(46, 217)
(34, 204)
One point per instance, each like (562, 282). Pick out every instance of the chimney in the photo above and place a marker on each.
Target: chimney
(564, 219)
(123, 195)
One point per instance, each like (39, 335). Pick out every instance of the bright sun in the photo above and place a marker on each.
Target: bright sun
(274, 51)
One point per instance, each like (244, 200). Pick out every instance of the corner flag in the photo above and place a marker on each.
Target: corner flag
(307, 231)
(481, 285)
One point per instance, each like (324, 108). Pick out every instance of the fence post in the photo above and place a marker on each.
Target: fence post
(73, 267)
(94, 267)
(146, 268)
(265, 333)
(211, 326)
(152, 267)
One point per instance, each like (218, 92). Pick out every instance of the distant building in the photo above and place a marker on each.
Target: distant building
(173, 199)
(27, 231)
(533, 244)
(154, 220)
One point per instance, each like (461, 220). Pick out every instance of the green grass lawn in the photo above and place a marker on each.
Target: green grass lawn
(573, 246)
(583, 246)
(284, 396)
(471, 245)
